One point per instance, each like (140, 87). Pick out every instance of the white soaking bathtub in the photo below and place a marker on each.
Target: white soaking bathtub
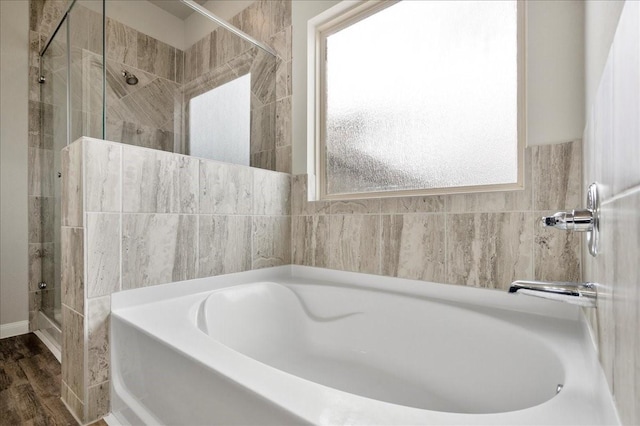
(301, 345)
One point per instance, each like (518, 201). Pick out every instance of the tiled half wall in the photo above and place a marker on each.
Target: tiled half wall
(135, 217)
(482, 240)
(153, 113)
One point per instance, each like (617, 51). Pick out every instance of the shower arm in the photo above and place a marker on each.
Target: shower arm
(203, 11)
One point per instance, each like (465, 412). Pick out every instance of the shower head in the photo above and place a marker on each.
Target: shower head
(131, 79)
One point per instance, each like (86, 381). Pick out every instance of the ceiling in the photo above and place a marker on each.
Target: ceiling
(175, 7)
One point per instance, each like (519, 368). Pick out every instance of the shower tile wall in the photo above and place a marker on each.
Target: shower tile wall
(612, 158)
(150, 217)
(481, 240)
(147, 114)
(221, 57)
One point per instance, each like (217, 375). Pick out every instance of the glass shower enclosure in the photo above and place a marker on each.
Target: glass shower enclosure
(104, 75)
(69, 107)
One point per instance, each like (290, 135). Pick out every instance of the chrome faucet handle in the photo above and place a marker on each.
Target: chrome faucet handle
(582, 294)
(585, 220)
(575, 220)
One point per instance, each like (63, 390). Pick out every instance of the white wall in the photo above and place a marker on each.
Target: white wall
(601, 20)
(555, 73)
(14, 48)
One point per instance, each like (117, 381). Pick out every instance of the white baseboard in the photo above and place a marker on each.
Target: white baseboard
(14, 329)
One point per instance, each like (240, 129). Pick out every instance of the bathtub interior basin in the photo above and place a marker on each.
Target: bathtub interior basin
(408, 351)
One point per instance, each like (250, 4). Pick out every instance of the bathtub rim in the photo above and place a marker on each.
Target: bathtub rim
(475, 296)
(489, 297)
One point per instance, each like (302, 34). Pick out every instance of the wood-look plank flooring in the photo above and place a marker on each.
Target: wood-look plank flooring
(30, 378)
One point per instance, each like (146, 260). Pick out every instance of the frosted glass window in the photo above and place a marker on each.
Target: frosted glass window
(219, 122)
(422, 95)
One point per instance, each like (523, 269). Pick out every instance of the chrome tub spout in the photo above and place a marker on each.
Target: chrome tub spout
(582, 294)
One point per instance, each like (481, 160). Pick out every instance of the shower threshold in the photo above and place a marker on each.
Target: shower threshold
(50, 334)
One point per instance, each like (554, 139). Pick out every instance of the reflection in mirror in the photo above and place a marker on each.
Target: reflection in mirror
(219, 123)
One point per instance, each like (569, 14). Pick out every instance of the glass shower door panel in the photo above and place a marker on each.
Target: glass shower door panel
(53, 137)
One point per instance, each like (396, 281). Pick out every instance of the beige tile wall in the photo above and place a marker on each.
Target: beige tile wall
(482, 240)
(612, 158)
(137, 217)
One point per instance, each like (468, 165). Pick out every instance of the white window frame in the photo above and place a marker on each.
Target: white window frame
(348, 13)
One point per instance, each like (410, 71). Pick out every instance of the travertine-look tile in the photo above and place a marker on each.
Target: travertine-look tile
(426, 204)
(224, 244)
(157, 249)
(98, 311)
(41, 217)
(102, 176)
(121, 42)
(283, 160)
(190, 63)
(41, 172)
(601, 271)
(229, 46)
(281, 43)
(155, 56)
(72, 195)
(557, 253)
(159, 182)
(299, 198)
(254, 20)
(157, 104)
(203, 52)
(264, 159)
(310, 235)
(355, 206)
(355, 243)
(225, 188)
(626, 101)
(557, 176)
(263, 76)
(489, 249)
(281, 15)
(73, 350)
(72, 268)
(283, 122)
(83, 34)
(413, 246)
(271, 241)
(271, 193)
(98, 401)
(263, 135)
(70, 399)
(41, 264)
(283, 79)
(103, 254)
(624, 278)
